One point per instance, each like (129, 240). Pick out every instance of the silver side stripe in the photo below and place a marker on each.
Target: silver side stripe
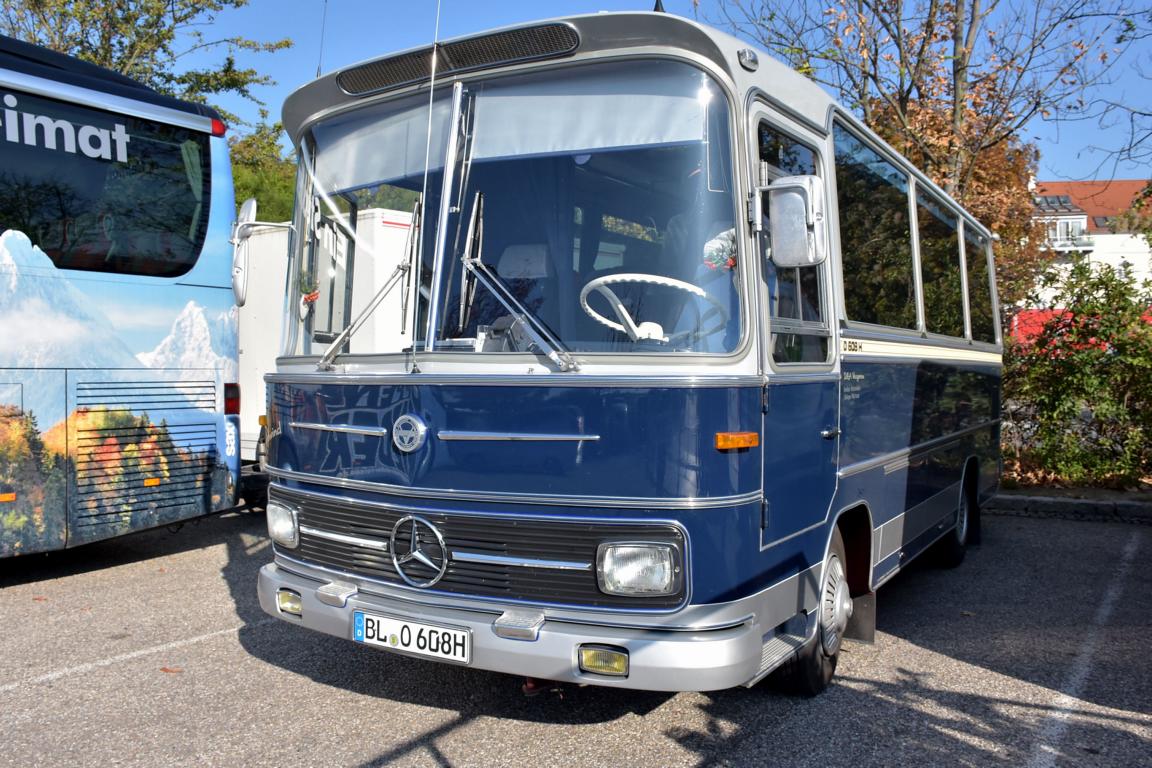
(343, 428)
(506, 497)
(519, 562)
(446, 434)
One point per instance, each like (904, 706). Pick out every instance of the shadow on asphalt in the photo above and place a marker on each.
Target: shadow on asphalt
(958, 614)
(144, 545)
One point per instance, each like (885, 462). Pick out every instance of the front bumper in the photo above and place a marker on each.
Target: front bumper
(660, 659)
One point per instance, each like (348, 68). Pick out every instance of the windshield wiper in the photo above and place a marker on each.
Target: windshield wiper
(537, 332)
(397, 276)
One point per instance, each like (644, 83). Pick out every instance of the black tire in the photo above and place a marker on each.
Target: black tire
(810, 671)
(949, 551)
(256, 487)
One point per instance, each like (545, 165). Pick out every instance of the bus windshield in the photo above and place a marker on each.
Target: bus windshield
(106, 192)
(592, 207)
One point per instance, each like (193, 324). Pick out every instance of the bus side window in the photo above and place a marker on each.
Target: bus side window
(938, 231)
(875, 235)
(796, 303)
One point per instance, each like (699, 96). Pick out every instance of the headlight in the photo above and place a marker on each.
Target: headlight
(638, 569)
(282, 525)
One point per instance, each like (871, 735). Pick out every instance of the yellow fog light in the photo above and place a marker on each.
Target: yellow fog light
(604, 660)
(289, 602)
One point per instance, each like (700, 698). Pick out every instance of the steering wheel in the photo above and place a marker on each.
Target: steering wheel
(649, 330)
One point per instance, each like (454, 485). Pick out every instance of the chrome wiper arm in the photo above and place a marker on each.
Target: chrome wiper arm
(397, 276)
(474, 240)
(411, 256)
(552, 348)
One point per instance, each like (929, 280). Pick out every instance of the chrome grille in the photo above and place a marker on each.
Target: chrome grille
(518, 538)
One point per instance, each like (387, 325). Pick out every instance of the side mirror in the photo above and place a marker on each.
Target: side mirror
(796, 220)
(241, 230)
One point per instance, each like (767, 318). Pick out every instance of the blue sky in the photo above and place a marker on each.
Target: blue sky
(356, 30)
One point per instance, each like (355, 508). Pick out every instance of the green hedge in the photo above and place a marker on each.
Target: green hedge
(1078, 397)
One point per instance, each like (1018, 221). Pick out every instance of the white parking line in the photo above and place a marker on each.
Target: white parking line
(1044, 752)
(113, 660)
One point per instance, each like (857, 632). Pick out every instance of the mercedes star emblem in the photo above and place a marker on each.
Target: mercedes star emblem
(409, 432)
(415, 540)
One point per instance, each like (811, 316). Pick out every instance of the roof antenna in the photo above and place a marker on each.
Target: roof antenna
(431, 96)
(323, 26)
(658, 9)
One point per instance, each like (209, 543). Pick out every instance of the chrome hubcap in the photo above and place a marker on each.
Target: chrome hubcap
(836, 606)
(962, 519)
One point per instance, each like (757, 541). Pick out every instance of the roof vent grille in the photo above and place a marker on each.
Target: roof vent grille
(527, 44)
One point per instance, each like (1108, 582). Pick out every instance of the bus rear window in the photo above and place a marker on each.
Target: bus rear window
(103, 192)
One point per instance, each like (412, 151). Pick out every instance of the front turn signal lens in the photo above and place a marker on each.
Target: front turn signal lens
(730, 441)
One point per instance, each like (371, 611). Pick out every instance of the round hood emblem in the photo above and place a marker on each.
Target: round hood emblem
(418, 551)
(409, 433)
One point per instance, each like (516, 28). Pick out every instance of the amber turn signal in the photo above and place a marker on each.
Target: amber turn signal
(729, 441)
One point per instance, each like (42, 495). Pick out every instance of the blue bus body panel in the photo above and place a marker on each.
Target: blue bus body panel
(654, 459)
(909, 428)
(650, 443)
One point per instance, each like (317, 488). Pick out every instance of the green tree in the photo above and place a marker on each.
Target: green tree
(1080, 394)
(260, 170)
(143, 39)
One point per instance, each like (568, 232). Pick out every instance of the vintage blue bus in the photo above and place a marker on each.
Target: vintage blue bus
(118, 350)
(679, 365)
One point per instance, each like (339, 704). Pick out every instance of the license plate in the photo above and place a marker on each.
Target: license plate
(431, 640)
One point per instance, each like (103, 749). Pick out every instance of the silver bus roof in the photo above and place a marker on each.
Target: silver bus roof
(574, 38)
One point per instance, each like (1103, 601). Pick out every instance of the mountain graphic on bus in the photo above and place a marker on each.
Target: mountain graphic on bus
(124, 439)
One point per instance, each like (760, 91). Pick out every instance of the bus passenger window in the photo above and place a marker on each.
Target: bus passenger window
(875, 239)
(940, 266)
(979, 286)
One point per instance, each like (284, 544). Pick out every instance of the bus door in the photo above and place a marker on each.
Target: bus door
(802, 386)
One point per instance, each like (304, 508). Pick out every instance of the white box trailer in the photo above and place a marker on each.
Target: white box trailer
(382, 235)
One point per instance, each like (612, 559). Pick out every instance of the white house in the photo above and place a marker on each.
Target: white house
(1081, 216)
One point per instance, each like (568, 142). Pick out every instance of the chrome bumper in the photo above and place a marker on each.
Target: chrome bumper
(660, 659)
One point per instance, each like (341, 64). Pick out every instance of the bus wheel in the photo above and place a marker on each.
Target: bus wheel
(950, 549)
(810, 671)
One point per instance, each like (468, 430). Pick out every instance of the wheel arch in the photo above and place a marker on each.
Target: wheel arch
(855, 525)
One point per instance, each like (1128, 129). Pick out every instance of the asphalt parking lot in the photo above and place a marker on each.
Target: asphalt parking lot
(152, 650)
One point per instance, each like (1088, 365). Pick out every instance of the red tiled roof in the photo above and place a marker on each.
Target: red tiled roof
(1099, 199)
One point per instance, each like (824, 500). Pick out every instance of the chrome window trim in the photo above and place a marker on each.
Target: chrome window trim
(450, 435)
(615, 502)
(104, 102)
(343, 428)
